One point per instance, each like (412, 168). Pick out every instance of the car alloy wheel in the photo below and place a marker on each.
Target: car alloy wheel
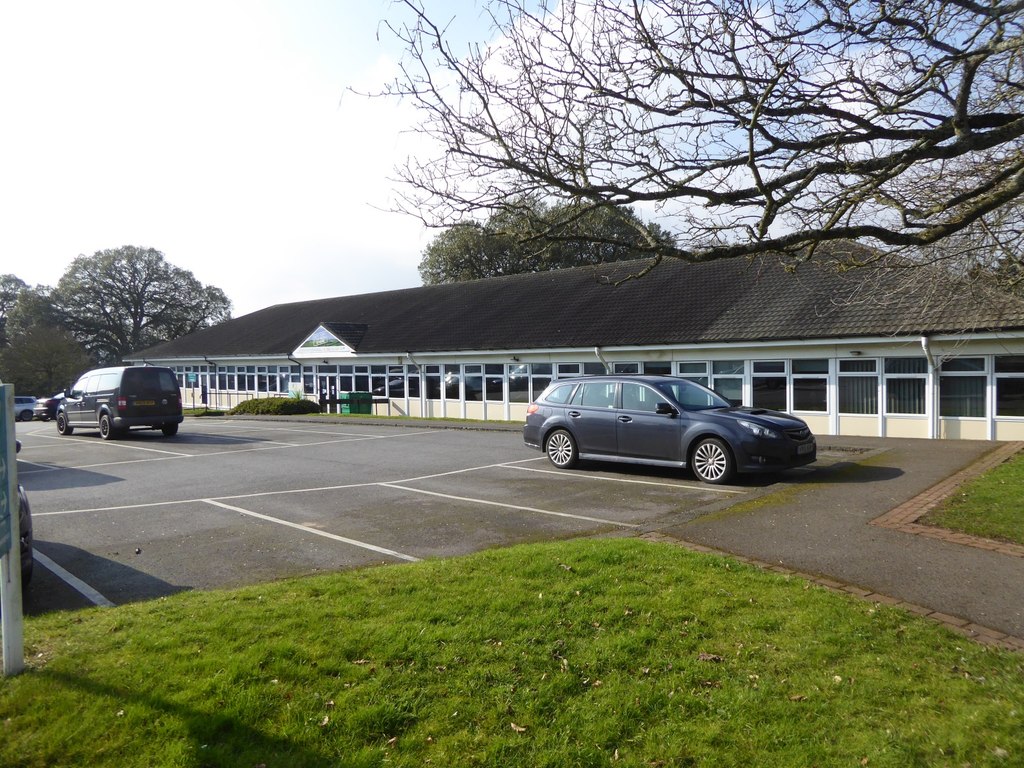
(712, 462)
(561, 449)
(106, 430)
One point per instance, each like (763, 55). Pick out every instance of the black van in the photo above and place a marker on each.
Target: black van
(113, 400)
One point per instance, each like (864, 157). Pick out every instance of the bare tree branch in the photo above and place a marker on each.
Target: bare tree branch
(746, 127)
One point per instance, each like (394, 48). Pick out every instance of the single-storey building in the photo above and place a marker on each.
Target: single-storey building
(860, 351)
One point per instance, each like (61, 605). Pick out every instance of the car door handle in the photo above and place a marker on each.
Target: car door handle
(574, 414)
(625, 419)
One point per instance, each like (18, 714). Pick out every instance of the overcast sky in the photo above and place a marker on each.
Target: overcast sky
(219, 132)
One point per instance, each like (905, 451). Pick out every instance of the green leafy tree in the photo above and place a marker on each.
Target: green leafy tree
(42, 360)
(10, 286)
(34, 307)
(126, 299)
(533, 237)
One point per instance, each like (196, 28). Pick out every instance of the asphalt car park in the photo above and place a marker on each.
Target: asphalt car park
(230, 502)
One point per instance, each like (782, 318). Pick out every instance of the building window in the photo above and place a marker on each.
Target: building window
(452, 381)
(519, 383)
(564, 370)
(658, 368)
(697, 372)
(378, 380)
(396, 381)
(1009, 385)
(362, 378)
(474, 383)
(540, 378)
(810, 385)
(346, 378)
(962, 384)
(727, 379)
(494, 383)
(432, 381)
(858, 387)
(768, 385)
(905, 379)
(625, 367)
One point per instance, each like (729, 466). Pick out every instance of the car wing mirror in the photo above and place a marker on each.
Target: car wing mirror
(665, 409)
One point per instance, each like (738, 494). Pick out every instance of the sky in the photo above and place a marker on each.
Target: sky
(227, 134)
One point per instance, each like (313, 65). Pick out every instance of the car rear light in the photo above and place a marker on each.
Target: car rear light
(533, 408)
(122, 402)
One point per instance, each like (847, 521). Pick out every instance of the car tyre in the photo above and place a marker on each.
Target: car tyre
(561, 449)
(63, 428)
(712, 461)
(169, 430)
(107, 431)
(25, 416)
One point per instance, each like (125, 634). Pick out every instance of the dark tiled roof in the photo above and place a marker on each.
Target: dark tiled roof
(734, 300)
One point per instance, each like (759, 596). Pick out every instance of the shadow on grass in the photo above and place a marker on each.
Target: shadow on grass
(215, 737)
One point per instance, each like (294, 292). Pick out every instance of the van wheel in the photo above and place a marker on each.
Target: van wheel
(63, 428)
(107, 431)
(169, 430)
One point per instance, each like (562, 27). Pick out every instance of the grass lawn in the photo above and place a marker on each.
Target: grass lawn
(584, 653)
(988, 506)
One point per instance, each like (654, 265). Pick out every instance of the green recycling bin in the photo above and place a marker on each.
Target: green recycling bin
(361, 402)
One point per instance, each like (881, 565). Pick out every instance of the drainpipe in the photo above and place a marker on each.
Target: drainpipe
(607, 368)
(933, 409)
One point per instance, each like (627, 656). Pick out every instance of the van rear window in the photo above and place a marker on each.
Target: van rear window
(148, 381)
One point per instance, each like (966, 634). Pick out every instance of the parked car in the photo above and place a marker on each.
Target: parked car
(23, 407)
(113, 400)
(665, 421)
(25, 535)
(46, 407)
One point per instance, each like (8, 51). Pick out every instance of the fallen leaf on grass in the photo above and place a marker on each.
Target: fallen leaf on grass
(518, 728)
(713, 657)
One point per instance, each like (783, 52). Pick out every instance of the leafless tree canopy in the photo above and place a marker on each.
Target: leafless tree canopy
(745, 126)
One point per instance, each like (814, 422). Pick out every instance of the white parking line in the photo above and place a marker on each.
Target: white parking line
(509, 506)
(230, 452)
(71, 580)
(308, 529)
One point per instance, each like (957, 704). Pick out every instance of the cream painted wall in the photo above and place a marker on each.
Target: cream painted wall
(963, 429)
(903, 427)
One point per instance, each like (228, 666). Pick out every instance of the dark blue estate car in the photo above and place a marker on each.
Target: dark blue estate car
(665, 421)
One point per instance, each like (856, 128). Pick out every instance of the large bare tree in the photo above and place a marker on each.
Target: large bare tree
(746, 126)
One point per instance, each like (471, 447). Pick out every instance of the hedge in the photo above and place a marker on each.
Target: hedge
(275, 406)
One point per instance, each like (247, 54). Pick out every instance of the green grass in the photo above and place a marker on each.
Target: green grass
(988, 506)
(584, 653)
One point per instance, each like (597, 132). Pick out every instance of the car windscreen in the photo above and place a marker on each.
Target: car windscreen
(692, 396)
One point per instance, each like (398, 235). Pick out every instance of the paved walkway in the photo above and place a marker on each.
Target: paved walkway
(852, 525)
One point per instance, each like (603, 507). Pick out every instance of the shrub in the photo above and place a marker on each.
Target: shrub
(275, 406)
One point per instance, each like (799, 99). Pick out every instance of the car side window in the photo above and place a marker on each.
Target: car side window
(81, 386)
(559, 395)
(597, 394)
(637, 397)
